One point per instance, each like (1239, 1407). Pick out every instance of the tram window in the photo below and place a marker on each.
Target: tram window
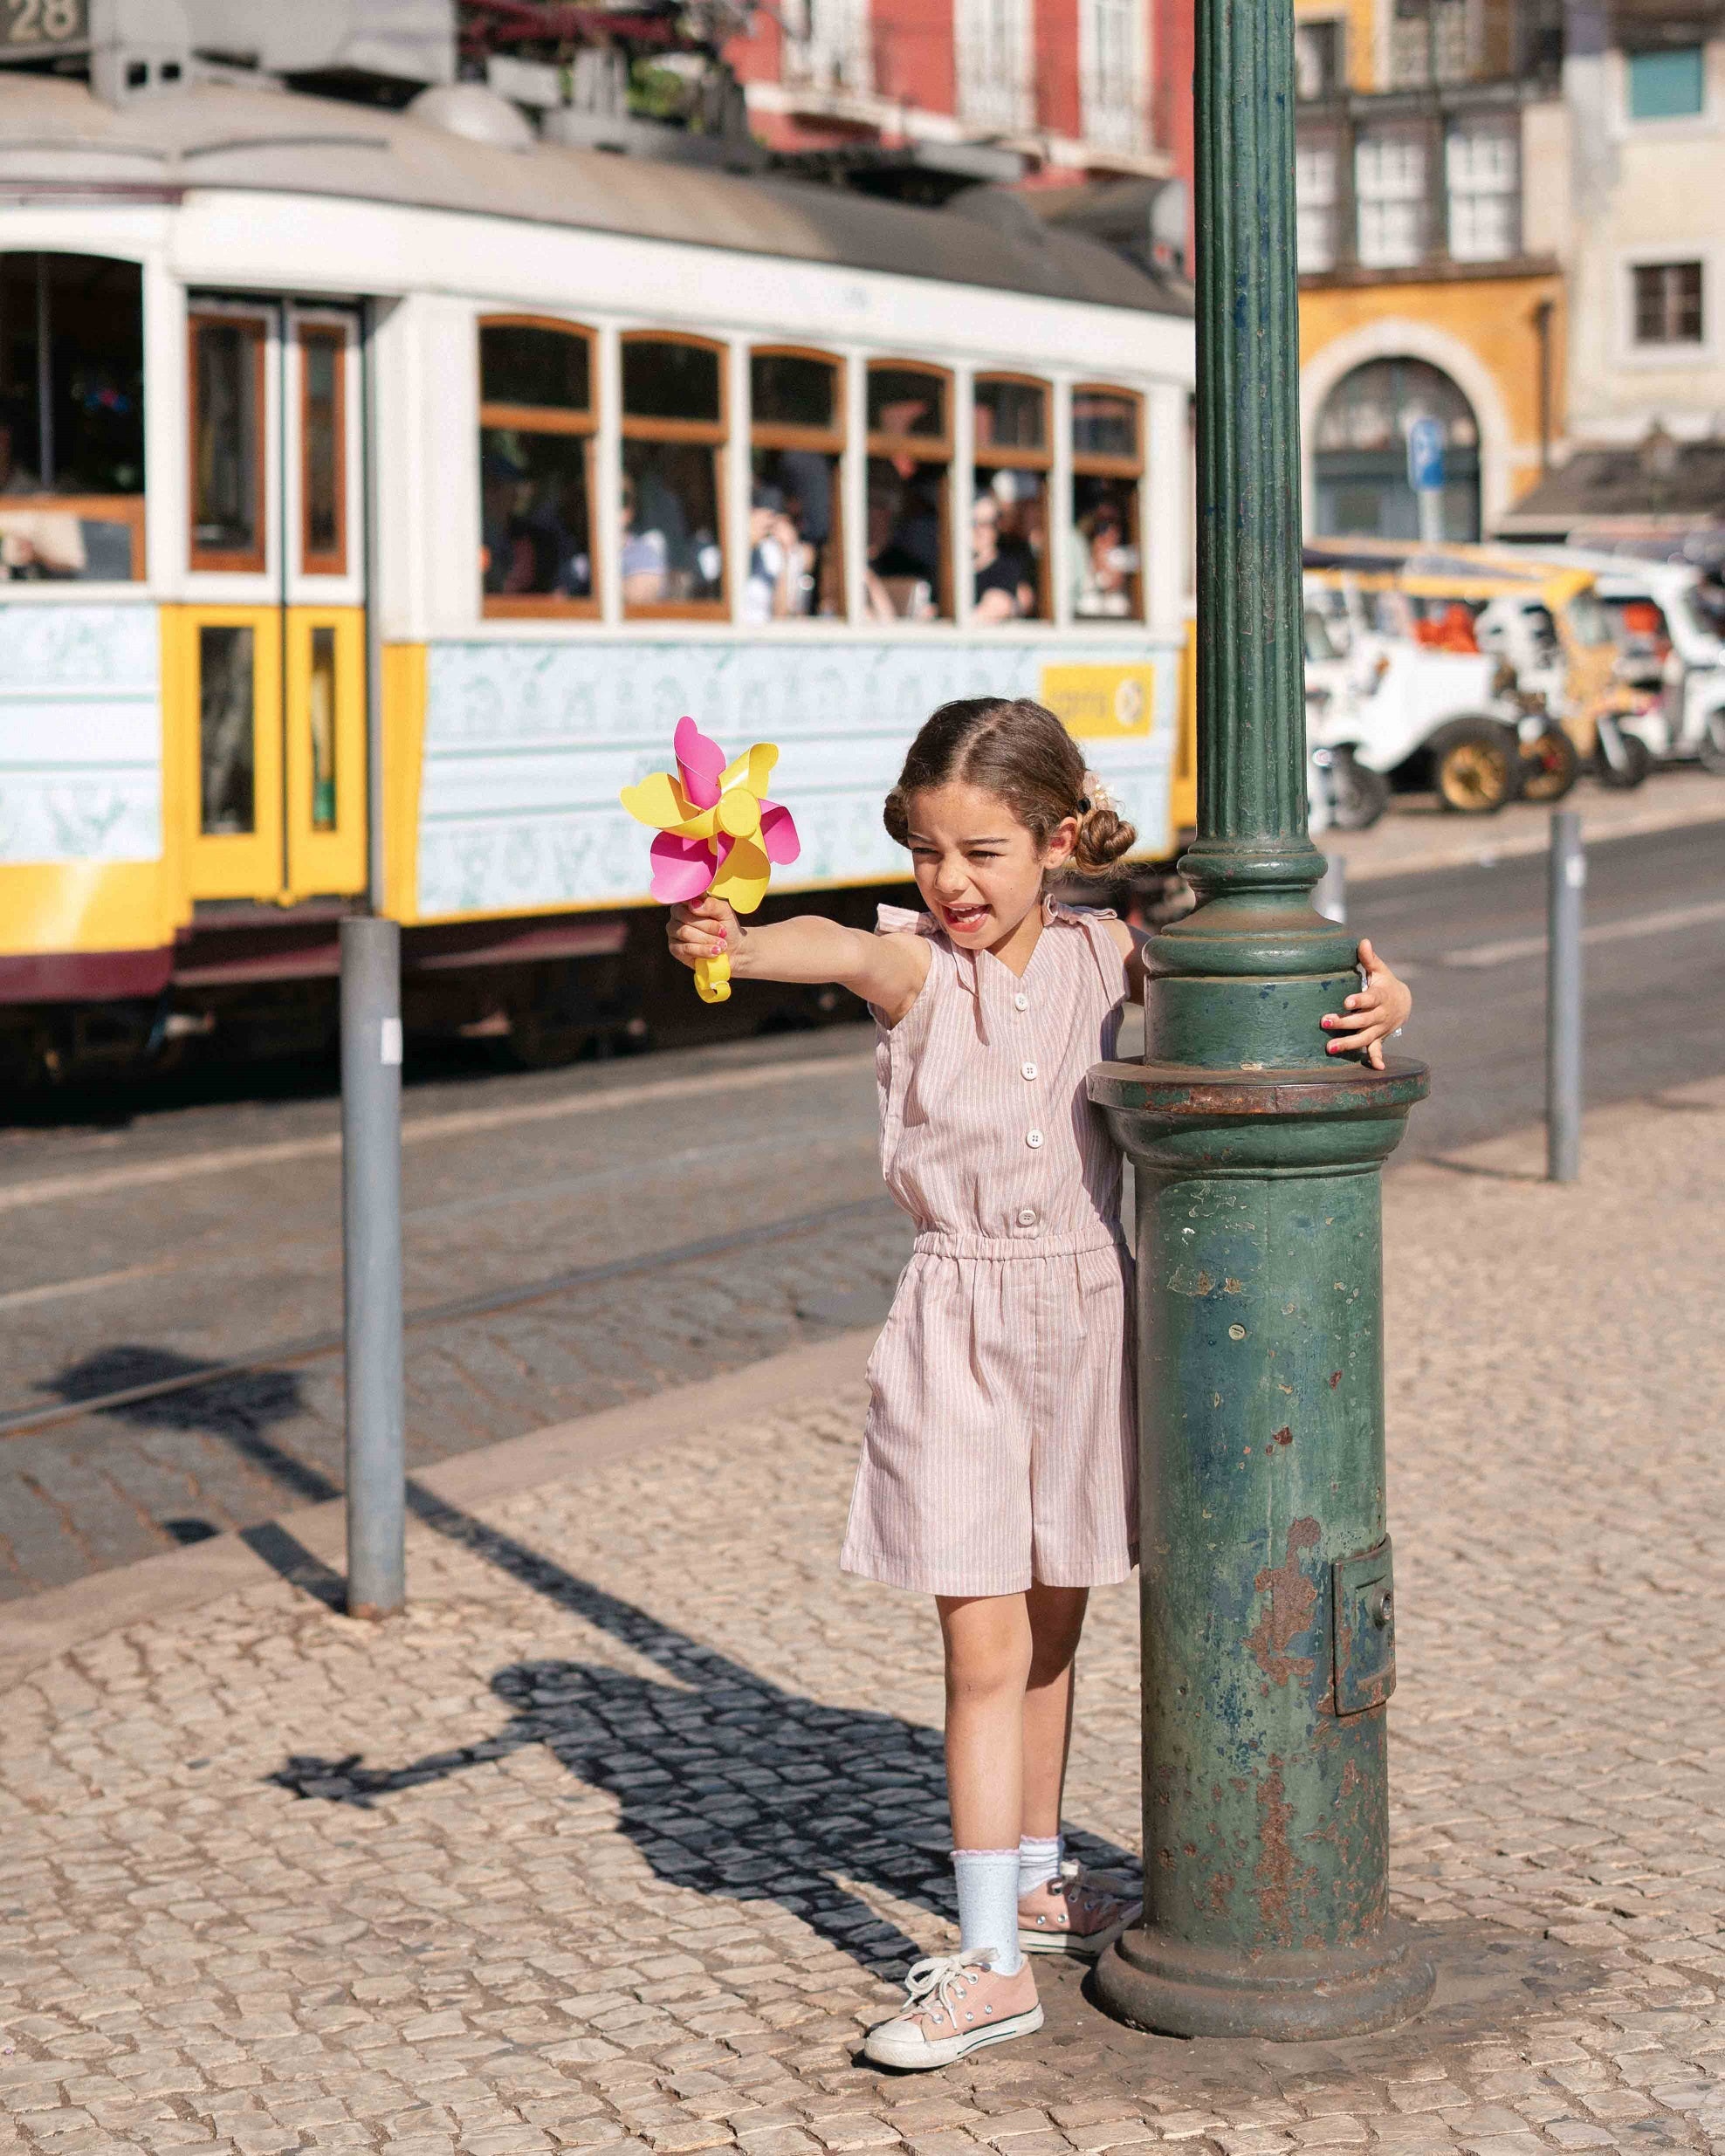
(908, 573)
(323, 539)
(1107, 477)
(1009, 511)
(228, 441)
(796, 518)
(227, 736)
(537, 426)
(673, 426)
(71, 419)
(322, 703)
(907, 401)
(523, 363)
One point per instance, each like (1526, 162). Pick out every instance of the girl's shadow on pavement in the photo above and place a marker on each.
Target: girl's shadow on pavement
(726, 1783)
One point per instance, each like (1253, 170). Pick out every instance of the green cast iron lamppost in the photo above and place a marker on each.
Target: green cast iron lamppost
(1267, 1601)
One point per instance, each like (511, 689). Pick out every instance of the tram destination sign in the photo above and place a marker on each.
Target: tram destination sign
(35, 29)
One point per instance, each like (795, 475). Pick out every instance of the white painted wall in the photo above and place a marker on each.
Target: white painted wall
(1642, 191)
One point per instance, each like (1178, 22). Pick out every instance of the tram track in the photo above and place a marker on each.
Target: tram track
(422, 1130)
(314, 1347)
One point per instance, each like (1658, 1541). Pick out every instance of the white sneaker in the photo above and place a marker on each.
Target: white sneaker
(955, 2004)
(1076, 1915)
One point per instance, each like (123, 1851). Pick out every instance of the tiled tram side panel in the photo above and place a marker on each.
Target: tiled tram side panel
(80, 733)
(528, 745)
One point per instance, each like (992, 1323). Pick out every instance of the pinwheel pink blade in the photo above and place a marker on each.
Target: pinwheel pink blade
(682, 868)
(778, 834)
(699, 762)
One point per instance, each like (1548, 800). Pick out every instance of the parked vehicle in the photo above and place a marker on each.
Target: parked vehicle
(1342, 791)
(1406, 712)
(1670, 645)
(1541, 620)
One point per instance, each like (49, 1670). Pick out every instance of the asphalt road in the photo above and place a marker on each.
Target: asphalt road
(149, 1233)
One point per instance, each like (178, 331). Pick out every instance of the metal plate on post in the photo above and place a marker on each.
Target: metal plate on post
(1365, 1604)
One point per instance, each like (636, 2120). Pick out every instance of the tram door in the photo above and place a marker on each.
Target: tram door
(268, 703)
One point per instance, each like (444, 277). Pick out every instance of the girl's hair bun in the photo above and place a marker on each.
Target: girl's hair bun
(1103, 836)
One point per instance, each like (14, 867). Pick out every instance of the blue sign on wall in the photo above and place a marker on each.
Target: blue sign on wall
(1425, 455)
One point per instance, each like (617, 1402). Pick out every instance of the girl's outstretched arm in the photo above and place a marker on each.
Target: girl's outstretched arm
(886, 970)
(1373, 1014)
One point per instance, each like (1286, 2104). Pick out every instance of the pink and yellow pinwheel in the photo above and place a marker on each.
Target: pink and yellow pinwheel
(717, 833)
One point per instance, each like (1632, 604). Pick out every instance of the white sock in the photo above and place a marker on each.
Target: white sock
(988, 1905)
(1039, 1861)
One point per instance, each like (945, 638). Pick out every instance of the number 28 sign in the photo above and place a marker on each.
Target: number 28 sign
(43, 25)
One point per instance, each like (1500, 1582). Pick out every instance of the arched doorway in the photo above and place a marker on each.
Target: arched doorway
(1360, 453)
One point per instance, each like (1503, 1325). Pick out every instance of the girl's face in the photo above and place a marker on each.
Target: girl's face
(978, 868)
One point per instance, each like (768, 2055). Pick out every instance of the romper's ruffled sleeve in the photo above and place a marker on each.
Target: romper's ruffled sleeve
(902, 921)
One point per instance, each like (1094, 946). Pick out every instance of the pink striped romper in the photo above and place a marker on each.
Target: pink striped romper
(1000, 1446)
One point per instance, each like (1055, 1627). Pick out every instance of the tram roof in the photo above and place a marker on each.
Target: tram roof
(57, 136)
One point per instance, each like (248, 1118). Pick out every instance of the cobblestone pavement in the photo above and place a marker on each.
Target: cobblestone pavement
(508, 1182)
(616, 1840)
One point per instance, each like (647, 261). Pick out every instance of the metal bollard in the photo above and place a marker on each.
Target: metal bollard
(1567, 881)
(371, 1247)
(1331, 897)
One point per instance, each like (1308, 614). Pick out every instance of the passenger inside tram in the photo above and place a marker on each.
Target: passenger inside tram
(670, 509)
(645, 554)
(535, 539)
(804, 483)
(1005, 588)
(907, 497)
(774, 589)
(1104, 563)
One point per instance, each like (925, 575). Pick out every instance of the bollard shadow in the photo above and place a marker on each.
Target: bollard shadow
(728, 1784)
(239, 1409)
(1452, 1166)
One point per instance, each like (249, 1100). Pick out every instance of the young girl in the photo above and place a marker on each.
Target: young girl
(999, 1458)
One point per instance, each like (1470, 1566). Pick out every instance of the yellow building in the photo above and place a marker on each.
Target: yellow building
(1432, 190)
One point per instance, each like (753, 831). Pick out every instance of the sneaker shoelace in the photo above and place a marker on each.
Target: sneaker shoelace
(1081, 1899)
(933, 1983)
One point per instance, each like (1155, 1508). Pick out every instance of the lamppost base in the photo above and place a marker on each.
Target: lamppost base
(1176, 1989)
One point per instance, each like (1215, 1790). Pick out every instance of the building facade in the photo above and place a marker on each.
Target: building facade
(1432, 215)
(1074, 90)
(1644, 92)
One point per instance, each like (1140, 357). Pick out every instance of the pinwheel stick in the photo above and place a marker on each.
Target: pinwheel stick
(717, 832)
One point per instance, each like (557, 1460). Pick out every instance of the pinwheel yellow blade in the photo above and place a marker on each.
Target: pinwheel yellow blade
(743, 875)
(713, 979)
(753, 769)
(660, 802)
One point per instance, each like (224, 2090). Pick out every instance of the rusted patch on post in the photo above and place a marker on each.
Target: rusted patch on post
(1279, 1880)
(1335, 1089)
(1293, 1600)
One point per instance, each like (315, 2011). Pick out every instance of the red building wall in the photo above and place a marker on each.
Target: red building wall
(915, 62)
(1173, 55)
(1059, 101)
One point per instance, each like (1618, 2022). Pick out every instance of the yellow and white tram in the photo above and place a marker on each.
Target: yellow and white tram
(373, 500)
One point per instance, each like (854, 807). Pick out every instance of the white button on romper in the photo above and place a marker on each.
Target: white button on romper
(1000, 1446)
